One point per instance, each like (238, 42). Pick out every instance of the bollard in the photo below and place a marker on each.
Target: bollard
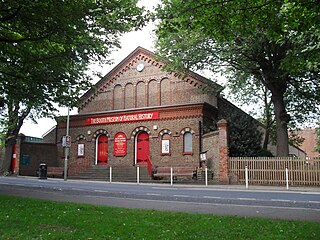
(110, 174)
(206, 176)
(171, 176)
(287, 178)
(246, 176)
(138, 175)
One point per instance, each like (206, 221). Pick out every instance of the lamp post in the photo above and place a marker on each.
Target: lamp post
(67, 145)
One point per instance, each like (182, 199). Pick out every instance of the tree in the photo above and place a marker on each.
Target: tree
(45, 50)
(244, 139)
(245, 90)
(273, 42)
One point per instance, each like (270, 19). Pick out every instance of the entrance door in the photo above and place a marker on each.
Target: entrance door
(142, 148)
(102, 153)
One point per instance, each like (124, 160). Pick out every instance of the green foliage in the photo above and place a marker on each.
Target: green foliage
(244, 136)
(275, 44)
(22, 218)
(46, 47)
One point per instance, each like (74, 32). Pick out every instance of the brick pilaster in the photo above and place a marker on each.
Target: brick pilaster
(223, 151)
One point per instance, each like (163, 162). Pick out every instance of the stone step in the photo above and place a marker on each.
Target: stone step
(119, 174)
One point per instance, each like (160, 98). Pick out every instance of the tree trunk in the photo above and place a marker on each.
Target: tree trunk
(268, 120)
(282, 118)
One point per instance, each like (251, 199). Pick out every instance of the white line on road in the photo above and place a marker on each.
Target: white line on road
(250, 199)
(101, 191)
(77, 189)
(211, 197)
(281, 200)
(153, 194)
(181, 196)
(164, 188)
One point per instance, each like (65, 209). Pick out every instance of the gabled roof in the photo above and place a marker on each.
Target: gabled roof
(143, 54)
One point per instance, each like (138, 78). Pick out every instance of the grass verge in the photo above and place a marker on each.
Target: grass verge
(23, 218)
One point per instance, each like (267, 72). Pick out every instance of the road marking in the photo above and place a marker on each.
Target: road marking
(153, 194)
(101, 191)
(77, 189)
(181, 196)
(211, 197)
(163, 188)
(313, 201)
(250, 199)
(281, 200)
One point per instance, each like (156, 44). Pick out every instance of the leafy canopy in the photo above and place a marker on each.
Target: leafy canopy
(275, 43)
(46, 47)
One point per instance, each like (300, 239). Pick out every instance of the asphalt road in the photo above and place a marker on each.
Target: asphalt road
(277, 203)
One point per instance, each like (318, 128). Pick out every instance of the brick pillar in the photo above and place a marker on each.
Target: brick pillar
(223, 151)
(18, 154)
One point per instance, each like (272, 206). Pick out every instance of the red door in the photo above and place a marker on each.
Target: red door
(143, 151)
(102, 155)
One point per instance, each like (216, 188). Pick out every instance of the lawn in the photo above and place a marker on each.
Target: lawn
(23, 218)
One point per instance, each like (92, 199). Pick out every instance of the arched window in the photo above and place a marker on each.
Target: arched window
(187, 143)
(165, 144)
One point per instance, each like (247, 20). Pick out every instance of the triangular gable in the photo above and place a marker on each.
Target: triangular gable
(145, 55)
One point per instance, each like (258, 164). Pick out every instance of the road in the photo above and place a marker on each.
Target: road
(276, 203)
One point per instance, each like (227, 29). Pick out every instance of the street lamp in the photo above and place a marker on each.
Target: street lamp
(67, 145)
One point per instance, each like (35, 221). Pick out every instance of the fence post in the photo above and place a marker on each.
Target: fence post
(287, 178)
(171, 176)
(110, 175)
(246, 176)
(138, 175)
(206, 176)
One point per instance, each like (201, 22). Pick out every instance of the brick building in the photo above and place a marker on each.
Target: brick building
(309, 144)
(140, 115)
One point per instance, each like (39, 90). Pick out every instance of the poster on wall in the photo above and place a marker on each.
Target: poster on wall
(120, 145)
(165, 147)
(81, 149)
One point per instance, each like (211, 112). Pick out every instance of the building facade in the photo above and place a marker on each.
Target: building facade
(139, 114)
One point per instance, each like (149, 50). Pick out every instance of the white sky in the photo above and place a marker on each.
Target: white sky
(130, 41)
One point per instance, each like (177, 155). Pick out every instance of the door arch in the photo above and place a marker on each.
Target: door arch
(102, 150)
(142, 148)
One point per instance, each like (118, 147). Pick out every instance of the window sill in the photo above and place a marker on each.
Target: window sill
(187, 153)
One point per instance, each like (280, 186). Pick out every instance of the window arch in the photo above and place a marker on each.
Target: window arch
(117, 97)
(152, 93)
(128, 93)
(165, 144)
(141, 94)
(187, 143)
(165, 92)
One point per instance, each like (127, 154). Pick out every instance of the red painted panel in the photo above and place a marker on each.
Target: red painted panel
(123, 118)
(143, 148)
(102, 157)
(14, 158)
(120, 144)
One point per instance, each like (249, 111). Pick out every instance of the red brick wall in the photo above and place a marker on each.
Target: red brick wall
(151, 87)
(175, 120)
